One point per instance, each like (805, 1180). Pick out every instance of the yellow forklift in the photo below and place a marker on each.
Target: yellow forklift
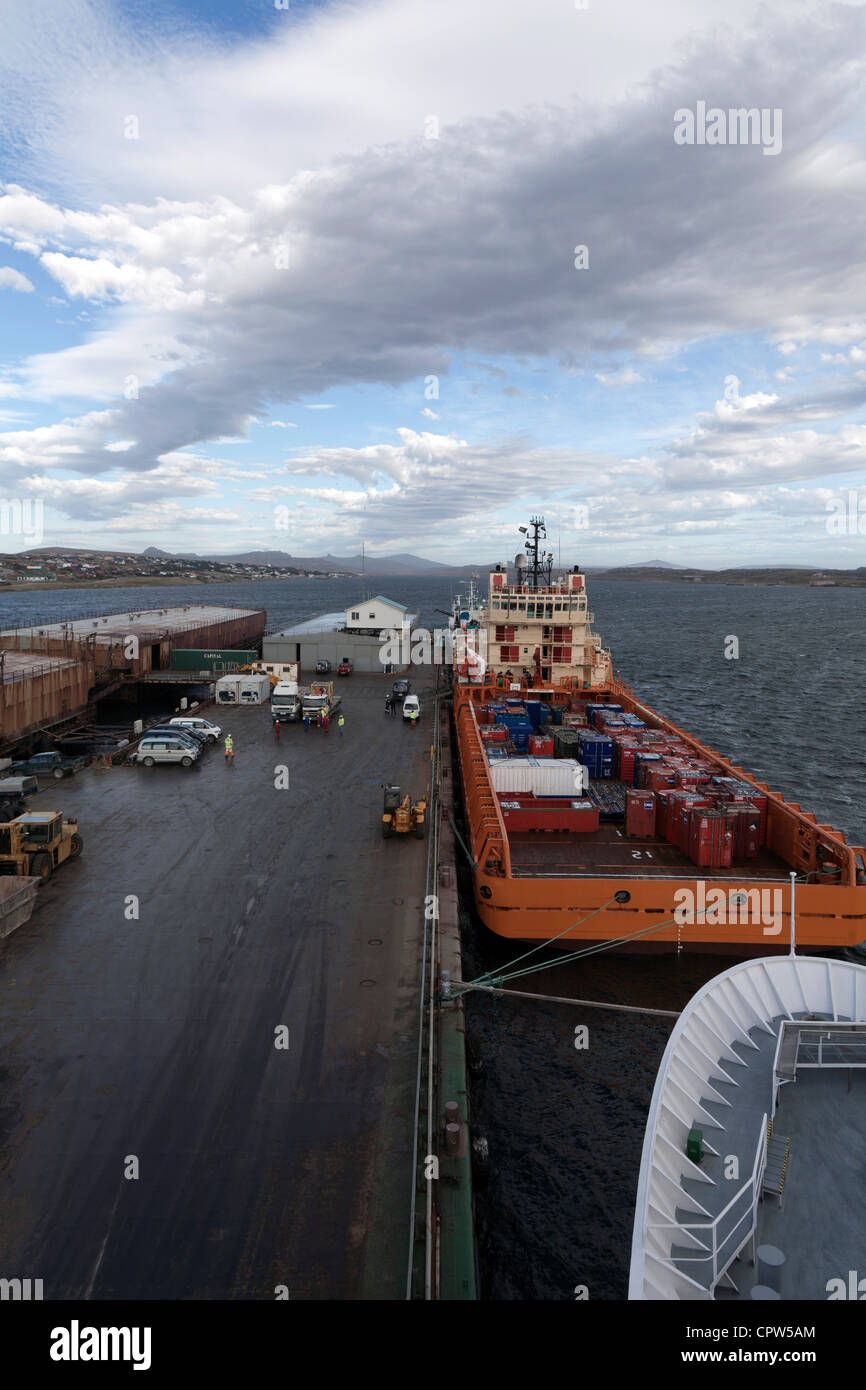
(36, 843)
(400, 814)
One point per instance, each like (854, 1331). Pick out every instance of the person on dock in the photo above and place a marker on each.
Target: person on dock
(277, 730)
(413, 718)
(340, 722)
(306, 723)
(230, 748)
(387, 703)
(393, 706)
(326, 721)
(319, 720)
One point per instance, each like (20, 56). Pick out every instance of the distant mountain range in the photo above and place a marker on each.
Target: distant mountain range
(353, 564)
(399, 564)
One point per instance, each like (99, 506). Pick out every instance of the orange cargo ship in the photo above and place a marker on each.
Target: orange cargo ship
(675, 849)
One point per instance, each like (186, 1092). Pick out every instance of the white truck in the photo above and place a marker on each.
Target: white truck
(286, 702)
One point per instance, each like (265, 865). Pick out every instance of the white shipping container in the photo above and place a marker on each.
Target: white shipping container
(541, 776)
(254, 690)
(227, 689)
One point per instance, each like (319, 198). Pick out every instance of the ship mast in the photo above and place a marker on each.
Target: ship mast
(537, 573)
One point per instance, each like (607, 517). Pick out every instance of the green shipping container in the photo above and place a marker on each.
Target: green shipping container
(189, 659)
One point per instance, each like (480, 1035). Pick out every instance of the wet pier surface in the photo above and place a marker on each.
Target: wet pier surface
(148, 1041)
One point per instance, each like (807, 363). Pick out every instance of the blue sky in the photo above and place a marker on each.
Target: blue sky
(298, 278)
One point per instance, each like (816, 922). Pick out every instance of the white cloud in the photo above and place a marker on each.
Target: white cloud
(627, 377)
(12, 279)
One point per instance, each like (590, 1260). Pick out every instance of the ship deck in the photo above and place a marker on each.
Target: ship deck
(820, 1221)
(608, 853)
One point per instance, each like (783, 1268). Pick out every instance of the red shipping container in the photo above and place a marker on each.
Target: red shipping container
(662, 811)
(680, 805)
(541, 745)
(640, 813)
(711, 839)
(493, 733)
(523, 811)
(624, 753)
(658, 779)
(747, 828)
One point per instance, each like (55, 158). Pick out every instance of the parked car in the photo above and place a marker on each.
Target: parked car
(411, 707)
(322, 667)
(346, 667)
(48, 765)
(193, 737)
(195, 724)
(165, 748)
(14, 792)
(399, 690)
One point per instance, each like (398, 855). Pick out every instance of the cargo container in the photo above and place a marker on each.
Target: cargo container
(525, 812)
(640, 813)
(543, 776)
(595, 751)
(254, 690)
(711, 839)
(541, 745)
(190, 659)
(747, 823)
(227, 689)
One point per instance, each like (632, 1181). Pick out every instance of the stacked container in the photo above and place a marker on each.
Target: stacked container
(541, 745)
(596, 753)
(711, 839)
(640, 813)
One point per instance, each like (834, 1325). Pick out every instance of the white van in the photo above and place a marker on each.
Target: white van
(162, 748)
(202, 726)
(411, 707)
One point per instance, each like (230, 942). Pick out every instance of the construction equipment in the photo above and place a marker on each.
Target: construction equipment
(36, 843)
(400, 814)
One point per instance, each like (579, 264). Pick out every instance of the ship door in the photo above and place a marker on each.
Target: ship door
(545, 674)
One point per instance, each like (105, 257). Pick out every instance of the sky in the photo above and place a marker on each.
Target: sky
(282, 275)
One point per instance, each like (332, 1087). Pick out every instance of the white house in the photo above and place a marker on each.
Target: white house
(375, 614)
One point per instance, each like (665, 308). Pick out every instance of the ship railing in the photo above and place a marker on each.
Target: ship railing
(829, 1043)
(729, 1231)
(487, 826)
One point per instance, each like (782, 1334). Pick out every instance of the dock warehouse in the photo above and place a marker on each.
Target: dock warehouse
(354, 633)
(139, 642)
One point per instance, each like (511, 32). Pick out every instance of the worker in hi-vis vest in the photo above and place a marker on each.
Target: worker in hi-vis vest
(230, 747)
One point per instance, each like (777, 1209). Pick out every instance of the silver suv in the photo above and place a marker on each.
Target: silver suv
(163, 748)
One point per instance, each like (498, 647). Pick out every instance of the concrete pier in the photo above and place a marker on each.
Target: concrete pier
(155, 1142)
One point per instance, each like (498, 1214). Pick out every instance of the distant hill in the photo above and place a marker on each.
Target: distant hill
(375, 564)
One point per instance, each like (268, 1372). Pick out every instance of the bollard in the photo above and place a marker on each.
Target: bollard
(771, 1264)
(452, 1139)
(452, 1112)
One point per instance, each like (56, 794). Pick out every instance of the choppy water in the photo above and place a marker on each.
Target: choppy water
(565, 1127)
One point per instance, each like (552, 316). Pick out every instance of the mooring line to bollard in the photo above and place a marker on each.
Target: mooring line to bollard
(466, 986)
